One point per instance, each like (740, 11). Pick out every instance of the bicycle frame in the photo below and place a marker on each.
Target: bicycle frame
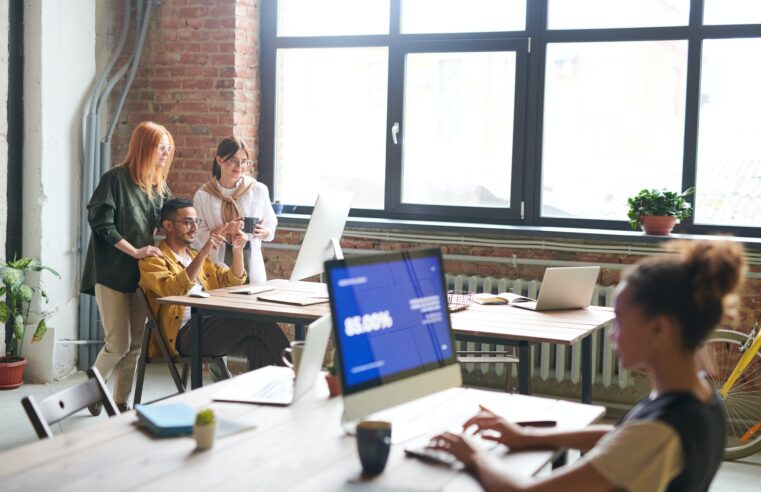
(743, 363)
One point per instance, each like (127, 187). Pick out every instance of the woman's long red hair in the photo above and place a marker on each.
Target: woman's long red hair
(143, 154)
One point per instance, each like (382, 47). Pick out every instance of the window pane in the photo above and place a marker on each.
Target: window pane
(602, 14)
(332, 17)
(732, 12)
(429, 16)
(331, 124)
(458, 128)
(729, 149)
(613, 124)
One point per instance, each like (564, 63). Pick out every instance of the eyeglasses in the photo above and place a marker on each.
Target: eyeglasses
(189, 222)
(245, 164)
(165, 149)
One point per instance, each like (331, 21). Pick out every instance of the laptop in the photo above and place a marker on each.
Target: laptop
(276, 385)
(564, 288)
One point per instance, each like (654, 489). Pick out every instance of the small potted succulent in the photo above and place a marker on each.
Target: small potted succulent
(332, 378)
(203, 430)
(657, 211)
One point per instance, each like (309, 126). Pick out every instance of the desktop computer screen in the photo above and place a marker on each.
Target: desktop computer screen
(391, 327)
(323, 232)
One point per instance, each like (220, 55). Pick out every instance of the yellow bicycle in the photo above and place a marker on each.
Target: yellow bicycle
(732, 363)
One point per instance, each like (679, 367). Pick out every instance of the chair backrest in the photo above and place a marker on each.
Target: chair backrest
(152, 326)
(57, 407)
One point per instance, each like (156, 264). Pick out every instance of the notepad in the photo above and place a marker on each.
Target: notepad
(501, 298)
(167, 420)
(296, 299)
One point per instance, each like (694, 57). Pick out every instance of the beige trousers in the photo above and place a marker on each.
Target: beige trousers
(123, 321)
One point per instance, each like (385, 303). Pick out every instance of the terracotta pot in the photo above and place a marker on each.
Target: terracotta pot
(657, 225)
(334, 384)
(11, 372)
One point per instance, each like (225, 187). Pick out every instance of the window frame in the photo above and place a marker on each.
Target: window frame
(525, 207)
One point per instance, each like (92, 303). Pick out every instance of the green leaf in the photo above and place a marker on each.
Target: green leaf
(42, 327)
(18, 328)
(2, 290)
(37, 266)
(5, 312)
(45, 295)
(21, 264)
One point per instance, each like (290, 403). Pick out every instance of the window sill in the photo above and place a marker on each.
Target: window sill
(632, 237)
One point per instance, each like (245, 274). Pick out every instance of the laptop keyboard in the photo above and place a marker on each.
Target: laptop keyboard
(276, 390)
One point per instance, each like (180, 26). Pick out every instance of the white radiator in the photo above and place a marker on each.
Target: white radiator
(561, 362)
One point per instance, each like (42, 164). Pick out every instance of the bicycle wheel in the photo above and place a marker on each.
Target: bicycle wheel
(742, 404)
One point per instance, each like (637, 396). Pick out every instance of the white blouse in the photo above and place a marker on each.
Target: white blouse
(255, 203)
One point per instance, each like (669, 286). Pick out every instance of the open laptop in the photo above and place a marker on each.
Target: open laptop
(564, 288)
(276, 385)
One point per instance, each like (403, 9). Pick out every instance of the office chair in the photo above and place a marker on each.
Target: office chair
(57, 407)
(152, 330)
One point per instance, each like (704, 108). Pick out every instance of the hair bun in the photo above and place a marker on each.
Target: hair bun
(718, 268)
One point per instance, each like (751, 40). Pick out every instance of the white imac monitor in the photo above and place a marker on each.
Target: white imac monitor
(393, 335)
(323, 233)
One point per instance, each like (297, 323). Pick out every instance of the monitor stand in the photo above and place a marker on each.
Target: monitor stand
(401, 431)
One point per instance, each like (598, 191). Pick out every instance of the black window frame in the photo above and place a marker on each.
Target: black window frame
(531, 46)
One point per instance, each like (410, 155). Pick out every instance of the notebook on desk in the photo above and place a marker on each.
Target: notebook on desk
(295, 299)
(564, 288)
(276, 385)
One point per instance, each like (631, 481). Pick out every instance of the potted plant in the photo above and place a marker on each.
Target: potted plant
(334, 383)
(277, 207)
(15, 311)
(658, 210)
(203, 430)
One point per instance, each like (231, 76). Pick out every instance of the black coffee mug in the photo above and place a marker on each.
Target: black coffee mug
(373, 444)
(249, 223)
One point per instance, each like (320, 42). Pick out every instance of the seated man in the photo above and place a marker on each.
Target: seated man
(182, 270)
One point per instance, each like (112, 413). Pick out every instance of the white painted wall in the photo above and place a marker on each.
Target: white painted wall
(3, 133)
(59, 65)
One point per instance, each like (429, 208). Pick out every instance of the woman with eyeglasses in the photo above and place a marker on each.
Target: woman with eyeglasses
(123, 214)
(230, 196)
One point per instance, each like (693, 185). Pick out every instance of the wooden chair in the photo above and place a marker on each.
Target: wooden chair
(152, 330)
(57, 407)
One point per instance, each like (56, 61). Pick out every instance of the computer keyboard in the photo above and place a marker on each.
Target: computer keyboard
(275, 390)
(444, 458)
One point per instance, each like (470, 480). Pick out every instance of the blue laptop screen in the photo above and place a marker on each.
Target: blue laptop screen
(390, 316)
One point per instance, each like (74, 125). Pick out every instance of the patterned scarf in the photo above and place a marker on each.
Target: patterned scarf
(230, 209)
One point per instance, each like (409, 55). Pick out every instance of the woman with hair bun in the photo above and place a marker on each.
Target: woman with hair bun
(123, 214)
(230, 196)
(673, 439)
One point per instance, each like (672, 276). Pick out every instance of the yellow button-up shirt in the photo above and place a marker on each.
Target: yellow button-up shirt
(165, 276)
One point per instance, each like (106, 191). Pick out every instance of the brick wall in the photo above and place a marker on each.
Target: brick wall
(199, 77)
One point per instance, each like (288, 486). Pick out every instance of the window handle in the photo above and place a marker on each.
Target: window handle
(395, 132)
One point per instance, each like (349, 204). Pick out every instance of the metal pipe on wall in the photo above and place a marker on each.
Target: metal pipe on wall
(97, 158)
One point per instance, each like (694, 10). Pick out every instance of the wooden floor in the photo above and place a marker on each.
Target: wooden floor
(15, 428)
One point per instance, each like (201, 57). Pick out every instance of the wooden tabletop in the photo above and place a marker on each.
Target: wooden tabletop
(493, 321)
(223, 300)
(301, 447)
(512, 323)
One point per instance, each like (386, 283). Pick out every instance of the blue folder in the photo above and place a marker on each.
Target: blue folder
(175, 419)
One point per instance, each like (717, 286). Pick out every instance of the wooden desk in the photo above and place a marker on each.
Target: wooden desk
(503, 324)
(296, 448)
(222, 303)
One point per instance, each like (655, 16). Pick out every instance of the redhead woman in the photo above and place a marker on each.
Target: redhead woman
(229, 196)
(671, 440)
(123, 213)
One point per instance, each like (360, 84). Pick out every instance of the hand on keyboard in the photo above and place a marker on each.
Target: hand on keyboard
(439, 451)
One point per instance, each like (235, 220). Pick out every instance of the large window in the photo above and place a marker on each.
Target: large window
(523, 112)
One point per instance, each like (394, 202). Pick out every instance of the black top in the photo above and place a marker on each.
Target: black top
(702, 431)
(118, 209)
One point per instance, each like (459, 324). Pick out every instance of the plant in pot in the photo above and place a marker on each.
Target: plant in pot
(334, 383)
(15, 312)
(658, 210)
(203, 430)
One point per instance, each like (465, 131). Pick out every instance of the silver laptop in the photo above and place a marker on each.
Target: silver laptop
(276, 385)
(564, 288)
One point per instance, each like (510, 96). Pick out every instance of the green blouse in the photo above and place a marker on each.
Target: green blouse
(118, 209)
